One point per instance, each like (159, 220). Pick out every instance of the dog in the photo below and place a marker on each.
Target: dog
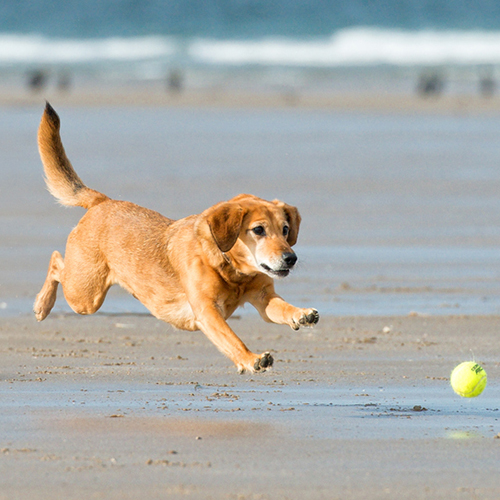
(192, 273)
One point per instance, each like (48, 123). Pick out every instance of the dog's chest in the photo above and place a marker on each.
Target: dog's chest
(231, 298)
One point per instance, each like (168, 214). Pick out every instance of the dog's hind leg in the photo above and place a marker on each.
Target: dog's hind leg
(85, 283)
(46, 299)
(86, 277)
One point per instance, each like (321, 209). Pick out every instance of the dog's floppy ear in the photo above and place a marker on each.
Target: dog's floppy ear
(225, 222)
(293, 217)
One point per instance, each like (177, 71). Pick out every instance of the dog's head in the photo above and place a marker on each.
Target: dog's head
(258, 234)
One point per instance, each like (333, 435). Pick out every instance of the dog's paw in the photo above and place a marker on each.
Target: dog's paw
(259, 364)
(40, 311)
(307, 317)
(264, 362)
(39, 315)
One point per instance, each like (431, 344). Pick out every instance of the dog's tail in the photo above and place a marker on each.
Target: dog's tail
(61, 179)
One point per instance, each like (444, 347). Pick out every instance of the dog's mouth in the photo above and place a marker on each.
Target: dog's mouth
(280, 273)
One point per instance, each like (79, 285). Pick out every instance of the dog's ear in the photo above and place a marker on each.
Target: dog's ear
(293, 217)
(225, 222)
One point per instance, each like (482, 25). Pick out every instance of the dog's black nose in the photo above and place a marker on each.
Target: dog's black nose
(289, 259)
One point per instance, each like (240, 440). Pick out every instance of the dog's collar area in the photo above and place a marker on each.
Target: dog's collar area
(231, 266)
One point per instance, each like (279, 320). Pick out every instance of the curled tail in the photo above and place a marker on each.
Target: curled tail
(61, 179)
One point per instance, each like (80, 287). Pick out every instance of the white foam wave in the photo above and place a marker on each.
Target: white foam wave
(350, 47)
(359, 46)
(28, 49)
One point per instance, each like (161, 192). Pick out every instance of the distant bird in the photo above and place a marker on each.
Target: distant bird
(174, 81)
(430, 84)
(487, 85)
(64, 82)
(37, 80)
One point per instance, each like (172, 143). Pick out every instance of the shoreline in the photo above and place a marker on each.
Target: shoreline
(335, 101)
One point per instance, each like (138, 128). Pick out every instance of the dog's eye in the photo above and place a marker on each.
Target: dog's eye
(259, 231)
(286, 230)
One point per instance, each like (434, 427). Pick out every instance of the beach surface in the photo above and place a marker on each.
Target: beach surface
(125, 407)
(398, 250)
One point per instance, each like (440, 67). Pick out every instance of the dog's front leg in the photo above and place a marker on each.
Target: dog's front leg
(210, 321)
(204, 288)
(202, 293)
(274, 309)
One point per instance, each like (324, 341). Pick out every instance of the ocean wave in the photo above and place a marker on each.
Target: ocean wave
(31, 49)
(357, 47)
(348, 47)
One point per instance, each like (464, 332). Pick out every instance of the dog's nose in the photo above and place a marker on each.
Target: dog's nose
(289, 259)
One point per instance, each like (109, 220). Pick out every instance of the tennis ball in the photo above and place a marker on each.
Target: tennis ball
(468, 379)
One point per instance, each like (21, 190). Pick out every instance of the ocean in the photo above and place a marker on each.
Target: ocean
(280, 42)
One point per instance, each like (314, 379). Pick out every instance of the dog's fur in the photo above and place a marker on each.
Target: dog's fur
(192, 273)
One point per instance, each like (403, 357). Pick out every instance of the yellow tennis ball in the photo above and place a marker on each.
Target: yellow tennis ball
(468, 379)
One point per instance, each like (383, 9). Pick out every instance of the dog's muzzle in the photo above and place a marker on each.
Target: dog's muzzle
(288, 260)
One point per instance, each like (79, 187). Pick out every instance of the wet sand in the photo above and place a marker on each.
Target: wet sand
(125, 407)
(357, 98)
(397, 250)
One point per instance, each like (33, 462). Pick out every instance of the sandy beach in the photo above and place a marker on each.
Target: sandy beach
(350, 97)
(398, 250)
(125, 407)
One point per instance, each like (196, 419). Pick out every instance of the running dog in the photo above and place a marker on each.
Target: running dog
(192, 273)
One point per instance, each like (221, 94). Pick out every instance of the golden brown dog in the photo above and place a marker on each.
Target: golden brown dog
(192, 273)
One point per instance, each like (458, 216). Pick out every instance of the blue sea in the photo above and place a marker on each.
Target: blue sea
(142, 40)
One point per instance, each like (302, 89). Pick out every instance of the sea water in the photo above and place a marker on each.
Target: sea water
(292, 43)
